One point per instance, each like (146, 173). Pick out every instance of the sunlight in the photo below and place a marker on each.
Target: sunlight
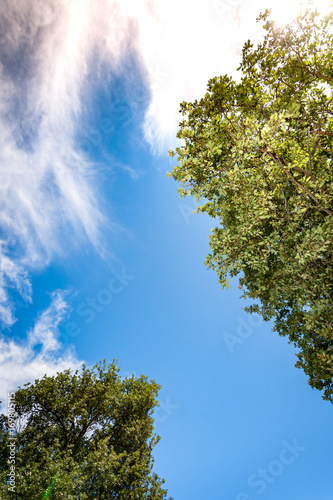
(284, 11)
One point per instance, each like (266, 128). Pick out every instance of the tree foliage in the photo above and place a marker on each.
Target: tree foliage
(83, 435)
(258, 151)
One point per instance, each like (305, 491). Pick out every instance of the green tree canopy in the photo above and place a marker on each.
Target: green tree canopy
(258, 151)
(83, 435)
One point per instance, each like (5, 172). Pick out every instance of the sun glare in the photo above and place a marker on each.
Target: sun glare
(284, 11)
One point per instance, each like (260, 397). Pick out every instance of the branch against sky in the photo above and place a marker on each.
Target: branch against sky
(258, 152)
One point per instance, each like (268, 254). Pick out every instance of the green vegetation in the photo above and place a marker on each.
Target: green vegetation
(259, 154)
(83, 435)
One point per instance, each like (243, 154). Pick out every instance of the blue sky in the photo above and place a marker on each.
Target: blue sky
(101, 259)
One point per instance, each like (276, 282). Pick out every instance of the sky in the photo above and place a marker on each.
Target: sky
(100, 259)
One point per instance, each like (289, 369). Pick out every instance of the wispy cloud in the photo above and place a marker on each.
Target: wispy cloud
(47, 185)
(39, 353)
(12, 275)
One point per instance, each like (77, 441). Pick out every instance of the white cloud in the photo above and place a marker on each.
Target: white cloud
(39, 353)
(12, 275)
(48, 187)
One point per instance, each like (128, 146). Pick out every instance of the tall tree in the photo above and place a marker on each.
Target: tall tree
(83, 435)
(258, 151)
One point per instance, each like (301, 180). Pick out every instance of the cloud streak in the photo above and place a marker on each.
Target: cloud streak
(40, 353)
(48, 188)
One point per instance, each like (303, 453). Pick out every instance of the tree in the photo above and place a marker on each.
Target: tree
(83, 435)
(258, 151)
